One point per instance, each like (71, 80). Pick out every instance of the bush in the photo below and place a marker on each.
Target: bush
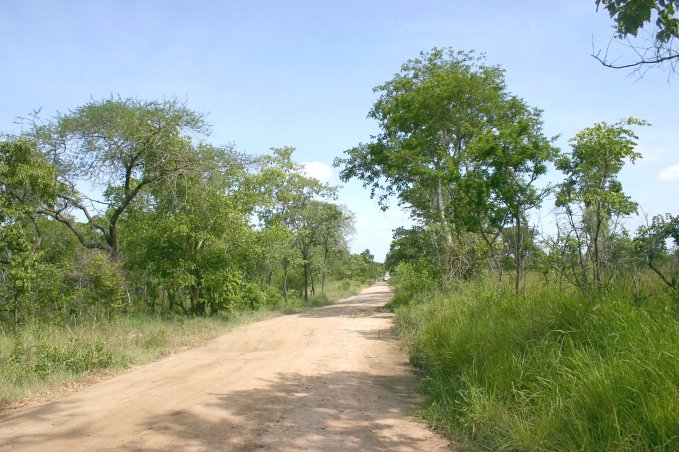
(252, 297)
(273, 297)
(222, 290)
(412, 279)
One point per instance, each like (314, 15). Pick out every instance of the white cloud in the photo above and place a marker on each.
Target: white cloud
(318, 170)
(670, 174)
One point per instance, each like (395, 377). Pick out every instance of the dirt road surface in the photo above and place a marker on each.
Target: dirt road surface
(332, 378)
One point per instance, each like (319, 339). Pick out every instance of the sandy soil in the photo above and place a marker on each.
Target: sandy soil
(331, 378)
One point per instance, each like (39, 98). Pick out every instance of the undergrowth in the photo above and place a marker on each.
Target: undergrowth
(547, 370)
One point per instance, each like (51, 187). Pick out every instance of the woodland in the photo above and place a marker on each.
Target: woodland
(121, 205)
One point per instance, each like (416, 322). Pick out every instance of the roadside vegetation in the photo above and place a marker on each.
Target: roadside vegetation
(562, 339)
(45, 358)
(124, 234)
(549, 369)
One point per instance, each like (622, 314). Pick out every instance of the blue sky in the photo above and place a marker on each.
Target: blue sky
(301, 73)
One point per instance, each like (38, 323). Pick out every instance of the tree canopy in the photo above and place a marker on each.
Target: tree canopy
(123, 204)
(456, 147)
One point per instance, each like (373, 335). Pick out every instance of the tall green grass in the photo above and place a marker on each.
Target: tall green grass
(547, 371)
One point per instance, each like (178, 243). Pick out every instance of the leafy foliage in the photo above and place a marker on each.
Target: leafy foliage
(169, 223)
(633, 16)
(456, 148)
(592, 197)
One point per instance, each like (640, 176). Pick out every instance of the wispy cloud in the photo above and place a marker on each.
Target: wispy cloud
(669, 174)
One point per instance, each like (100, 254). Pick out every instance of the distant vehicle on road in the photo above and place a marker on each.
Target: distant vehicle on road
(386, 276)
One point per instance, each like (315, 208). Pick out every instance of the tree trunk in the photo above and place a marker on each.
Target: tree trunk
(440, 206)
(306, 280)
(285, 279)
(15, 314)
(518, 250)
(597, 256)
(170, 300)
(325, 262)
(313, 285)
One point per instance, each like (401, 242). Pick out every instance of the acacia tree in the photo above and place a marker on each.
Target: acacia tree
(592, 197)
(455, 146)
(125, 145)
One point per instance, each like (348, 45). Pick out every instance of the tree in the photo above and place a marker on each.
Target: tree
(651, 241)
(332, 233)
(127, 145)
(193, 234)
(313, 222)
(592, 197)
(455, 146)
(407, 245)
(291, 198)
(633, 16)
(26, 184)
(274, 247)
(511, 161)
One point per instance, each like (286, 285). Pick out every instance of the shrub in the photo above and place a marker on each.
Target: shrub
(412, 279)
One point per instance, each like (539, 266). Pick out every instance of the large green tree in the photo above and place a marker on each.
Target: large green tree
(123, 146)
(455, 146)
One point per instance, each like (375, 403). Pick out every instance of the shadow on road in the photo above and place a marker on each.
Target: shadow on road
(324, 412)
(330, 408)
